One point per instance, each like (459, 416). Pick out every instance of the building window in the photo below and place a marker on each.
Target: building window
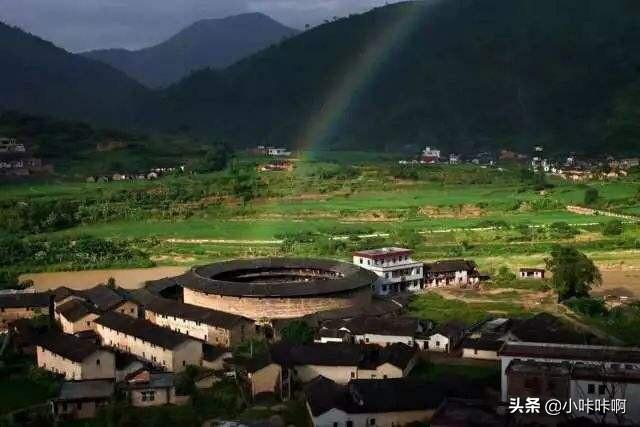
(349, 423)
(98, 362)
(184, 363)
(601, 389)
(353, 374)
(79, 405)
(372, 422)
(591, 388)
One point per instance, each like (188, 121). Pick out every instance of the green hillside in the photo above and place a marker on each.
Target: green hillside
(463, 75)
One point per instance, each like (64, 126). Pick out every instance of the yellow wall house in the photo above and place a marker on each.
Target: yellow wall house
(74, 358)
(146, 388)
(160, 346)
(214, 327)
(74, 316)
(22, 306)
(82, 399)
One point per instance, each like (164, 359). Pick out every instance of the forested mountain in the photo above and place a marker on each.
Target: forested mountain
(215, 43)
(38, 77)
(462, 75)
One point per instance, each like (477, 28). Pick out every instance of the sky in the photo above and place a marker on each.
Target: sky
(80, 25)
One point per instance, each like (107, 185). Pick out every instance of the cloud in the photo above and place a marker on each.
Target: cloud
(79, 25)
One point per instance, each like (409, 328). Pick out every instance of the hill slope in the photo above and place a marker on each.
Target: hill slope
(215, 43)
(38, 77)
(468, 74)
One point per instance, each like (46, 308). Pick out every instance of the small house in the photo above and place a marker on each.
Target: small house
(445, 337)
(146, 388)
(22, 306)
(532, 273)
(82, 399)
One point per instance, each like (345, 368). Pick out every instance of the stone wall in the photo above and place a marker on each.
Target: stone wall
(278, 308)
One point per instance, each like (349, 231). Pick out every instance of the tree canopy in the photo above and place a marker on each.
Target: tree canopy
(574, 274)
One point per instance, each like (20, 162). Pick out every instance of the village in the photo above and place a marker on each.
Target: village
(335, 336)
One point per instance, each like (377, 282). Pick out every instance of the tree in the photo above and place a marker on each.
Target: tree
(215, 159)
(613, 228)
(297, 332)
(591, 196)
(111, 283)
(574, 274)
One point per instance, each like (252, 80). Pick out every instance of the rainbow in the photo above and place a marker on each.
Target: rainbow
(325, 122)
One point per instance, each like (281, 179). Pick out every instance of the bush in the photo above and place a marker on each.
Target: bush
(613, 228)
(587, 306)
(562, 230)
(591, 196)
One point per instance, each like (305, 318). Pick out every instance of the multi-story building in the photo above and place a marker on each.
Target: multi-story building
(396, 270)
(430, 156)
(160, 346)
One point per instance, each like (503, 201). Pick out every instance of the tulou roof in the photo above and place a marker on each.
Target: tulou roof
(208, 279)
(142, 329)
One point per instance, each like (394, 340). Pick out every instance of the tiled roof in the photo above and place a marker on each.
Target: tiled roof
(373, 396)
(348, 277)
(67, 346)
(86, 390)
(25, 300)
(547, 328)
(399, 326)
(102, 297)
(194, 313)
(142, 329)
(74, 310)
(571, 352)
(450, 266)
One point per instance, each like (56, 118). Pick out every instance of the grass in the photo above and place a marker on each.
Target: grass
(435, 307)
(21, 393)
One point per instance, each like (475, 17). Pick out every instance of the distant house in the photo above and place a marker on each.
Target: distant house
(455, 412)
(430, 156)
(82, 399)
(486, 339)
(454, 272)
(372, 330)
(445, 337)
(532, 273)
(342, 362)
(74, 358)
(381, 402)
(118, 177)
(396, 270)
(214, 327)
(159, 346)
(278, 151)
(22, 306)
(261, 376)
(146, 388)
(454, 159)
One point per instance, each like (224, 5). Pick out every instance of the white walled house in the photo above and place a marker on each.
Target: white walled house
(396, 270)
(160, 346)
(532, 273)
(608, 357)
(379, 402)
(444, 338)
(74, 358)
(75, 316)
(372, 330)
(454, 272)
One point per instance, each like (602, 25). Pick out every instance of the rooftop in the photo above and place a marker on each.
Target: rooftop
(142, 329)
(545, 327)
(341, 354)
(532, 367)
(186, 311)
(25, 300)
(383, 252)
(67, 346)
(576, 352)
(373, 396)
(102, 297)
(277, 277)
(399, 326)
(74, 310)
(148, 379)
(86, 390)
(451, 265)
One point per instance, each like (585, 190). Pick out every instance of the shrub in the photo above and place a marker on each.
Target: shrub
(613, 228)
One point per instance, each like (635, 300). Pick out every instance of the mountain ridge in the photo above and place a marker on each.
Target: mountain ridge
(215, 43)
